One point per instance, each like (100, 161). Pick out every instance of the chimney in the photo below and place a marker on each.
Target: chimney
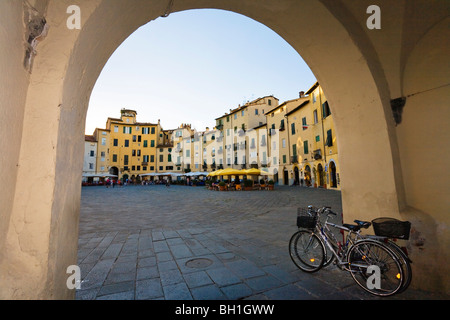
(301, 94)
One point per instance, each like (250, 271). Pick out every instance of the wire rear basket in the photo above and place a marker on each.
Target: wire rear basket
(391, 228)
(306, 218)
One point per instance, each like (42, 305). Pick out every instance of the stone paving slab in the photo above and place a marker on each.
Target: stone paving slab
(189, 243)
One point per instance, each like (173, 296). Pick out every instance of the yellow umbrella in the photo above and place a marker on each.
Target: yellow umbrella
(252, 171)
(230, 172)
(215, 173)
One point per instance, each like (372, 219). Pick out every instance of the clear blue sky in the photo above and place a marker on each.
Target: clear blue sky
(194, 66)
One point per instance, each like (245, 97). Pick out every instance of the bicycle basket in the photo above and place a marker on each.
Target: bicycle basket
(391, 228)
(306, 219)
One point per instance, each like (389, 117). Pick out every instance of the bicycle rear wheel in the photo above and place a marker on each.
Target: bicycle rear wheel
(307, 251)
(375, 268)
(404, 262)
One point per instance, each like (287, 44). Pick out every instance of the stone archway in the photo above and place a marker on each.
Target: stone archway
(38, 233)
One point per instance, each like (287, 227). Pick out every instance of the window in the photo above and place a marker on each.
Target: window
(270, 102)
(114, 158)
(134, 138)
(293, 128)
(145, 158)
(294, 150)
(153, 130)
(161, 158)
(169, 158)
(145, 130)
(116, 142)
(316, 118)
(139, 138)
(133, 153)
(152, 143)
(127, 143)
(329, 142)
(145, 143)
(138, 168)
(92, 153)
(317, 138)
(305, 147)
(138, 153)
(103, 141)
(161, 168)
(235, 115)
(326, 109)
(314, 97)
(284, 158)
(127, 130)
(242, 112)
(125, 160)
(256, 111)
(133, 168)
(91, 166)
(116, 128)
(305, 126)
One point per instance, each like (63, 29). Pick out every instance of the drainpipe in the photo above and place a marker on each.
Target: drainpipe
(323, 130)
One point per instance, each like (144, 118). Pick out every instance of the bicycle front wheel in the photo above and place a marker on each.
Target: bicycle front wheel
(375, 268)
(307, 251)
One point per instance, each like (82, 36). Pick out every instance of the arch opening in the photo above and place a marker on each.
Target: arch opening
(331, 48)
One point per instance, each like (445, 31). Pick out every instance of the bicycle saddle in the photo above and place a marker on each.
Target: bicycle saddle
(359, 224)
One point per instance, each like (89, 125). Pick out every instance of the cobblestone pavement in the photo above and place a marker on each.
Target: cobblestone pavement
(190, 243)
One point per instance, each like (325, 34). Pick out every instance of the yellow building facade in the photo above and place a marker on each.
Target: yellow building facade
(102, 136)
(132, 146)
(312, 142)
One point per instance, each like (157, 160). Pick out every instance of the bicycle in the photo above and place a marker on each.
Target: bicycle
(315, 246)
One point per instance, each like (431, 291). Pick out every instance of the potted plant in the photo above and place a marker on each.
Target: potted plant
(222, 185)
(248, 185)
(271, 184)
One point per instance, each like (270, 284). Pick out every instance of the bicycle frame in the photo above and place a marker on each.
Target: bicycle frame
(326, 234)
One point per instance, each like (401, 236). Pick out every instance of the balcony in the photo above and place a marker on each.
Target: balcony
(294, 159)
(317, 154)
